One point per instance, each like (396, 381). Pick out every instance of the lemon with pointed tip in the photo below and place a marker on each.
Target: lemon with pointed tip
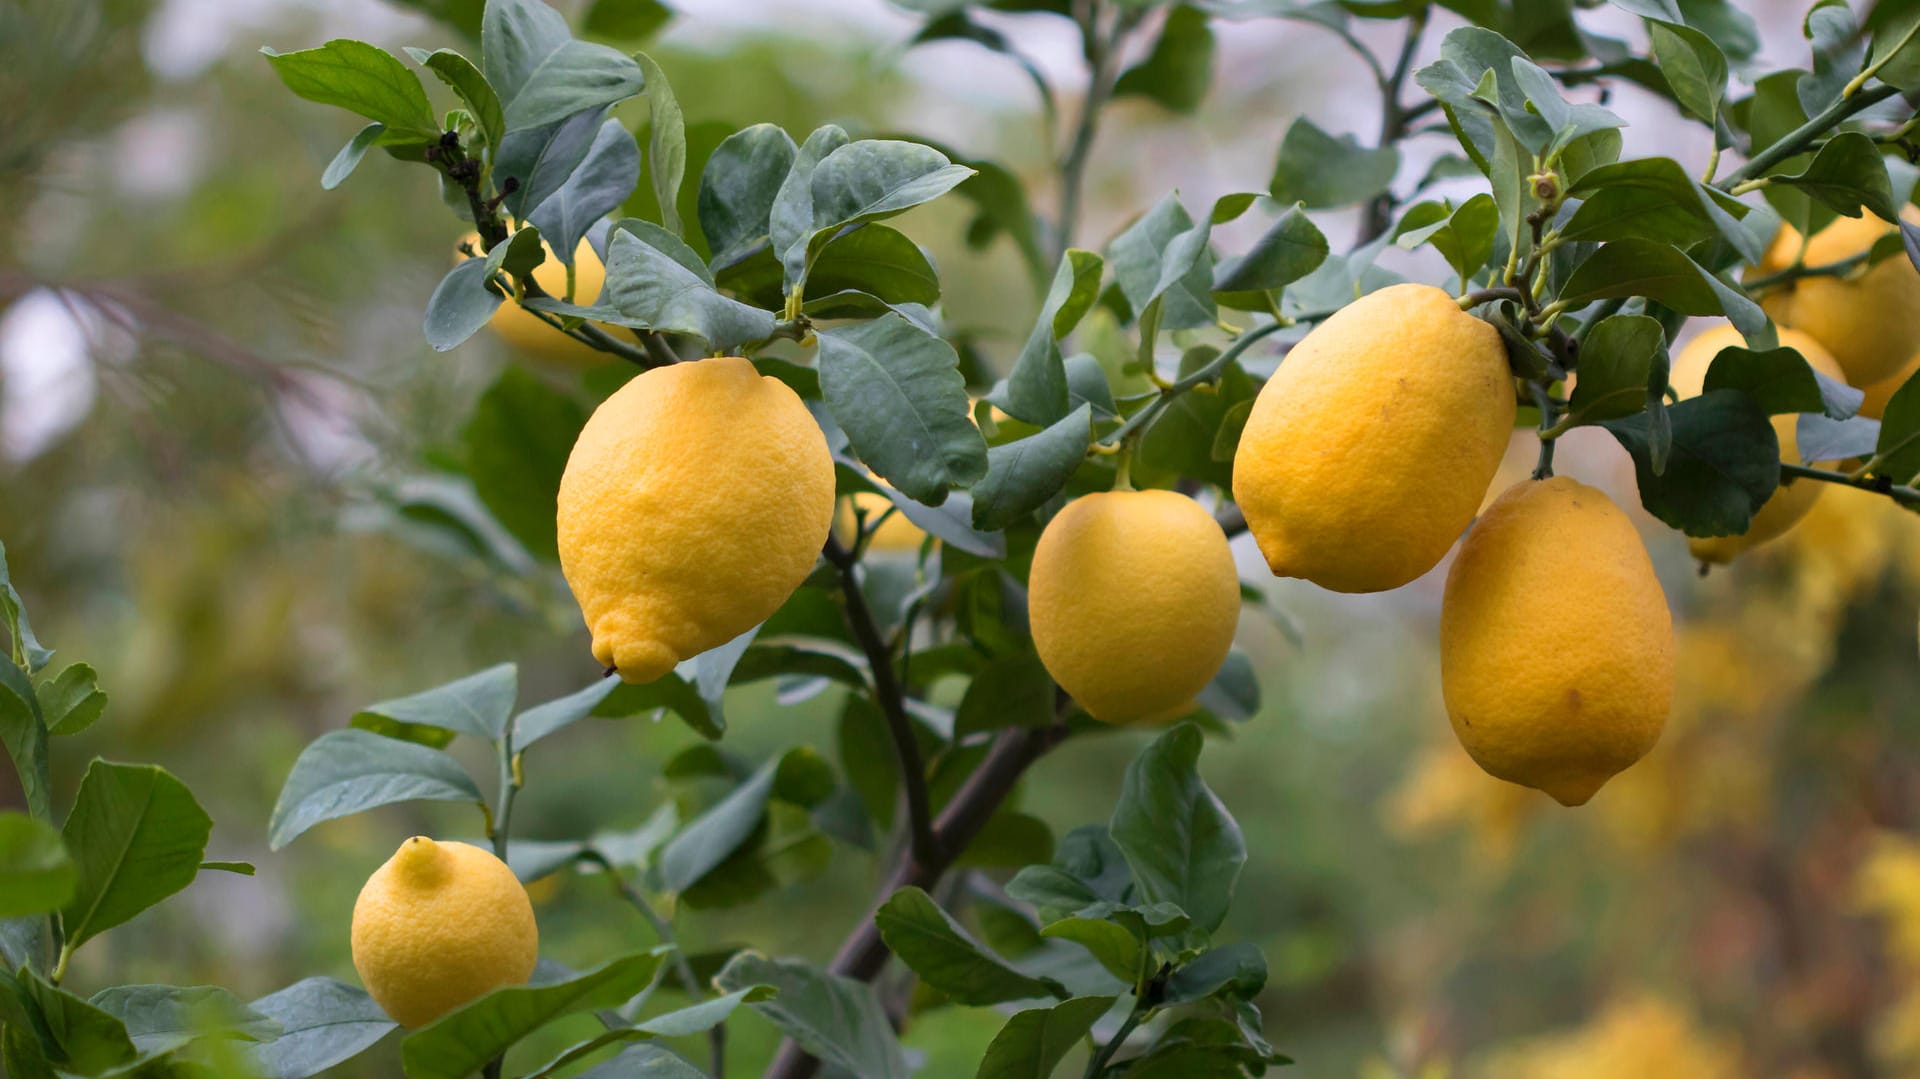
(439, 926)
(530, 335)
(1371, 448)
(1791, 501)
(1556, 645)
(695, 501)
(1870, 322)
(1133, 600)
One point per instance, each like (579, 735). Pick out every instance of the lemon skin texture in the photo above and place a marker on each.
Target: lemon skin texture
(1871, 325)
(1371, 448)
(1789, 502)
(1133, 599)
(438, 926)
(1556, 645)
(525, 333)
(694, 502)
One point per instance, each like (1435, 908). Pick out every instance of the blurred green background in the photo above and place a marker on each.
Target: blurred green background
(223, 481)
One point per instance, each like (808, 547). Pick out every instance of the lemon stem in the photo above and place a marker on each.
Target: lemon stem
(1123, 468)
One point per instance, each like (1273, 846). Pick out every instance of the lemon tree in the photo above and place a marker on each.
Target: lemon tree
(771, 455)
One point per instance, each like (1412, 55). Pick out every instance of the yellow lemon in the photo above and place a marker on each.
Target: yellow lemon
(1371, 448)
(1874, 406)
(1791, 501)
(439, 926)
(1556, 646)
(695, 501)
(1133, 599)
(527, 333)
(1870, 324)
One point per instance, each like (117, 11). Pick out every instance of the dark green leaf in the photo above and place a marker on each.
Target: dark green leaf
(1180, 67)
(878, 261)
(1898, 450)
(474, 91)
(738, 186)
(675, 1024)
(1034, 1042)
(878, 178)
(1163, 254)
(1615, 362)
(1237, 968)
(1290, 250)
(657, 290)
(25, 734)
(1326, 172)
(1179, 840)
(1664, 273)
(791, 220)
(711, 837)
(345, 772)
(1725, 463)
(1848, 174)
(1037, 389)
(80, 1038)
(72, 701)
(459, 1043)
(1023, 474)
(1780, 381)
(1693, 65)
(348, 158)
(835, 1019)
(517, 441)
(36, 874)
(27, 651)
(160, 1018)
(937, 949)
(136, 836)
(1114, 945)
(896, 390)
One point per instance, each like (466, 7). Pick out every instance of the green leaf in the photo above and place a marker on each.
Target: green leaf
(36, 873)
(459, 1043)
(1113, 944)
(1663, 273)
(471, 86)
(479, 704)
(1896, 45)
(1898, 450)
(1656, 199)
(791, 220)
(597, 186)
(238, 869)
(360, 78)
(24, 732)
(136, 836)
(1725, 463)
(1024, 474)
(1848, 174)
(1179, 840)
(72, 701)
(541, 74)
(344, 772)
(1468, 57)
(1780, 381)
(160, 1018)
(1234, 692)
(1464, 237)
(1037, 389)
(1009, 840)
(541, 720)
(348, 158)
(1288, 251)
(660, 292)
(945, 957)
(666, 141)
(1035, 1041)
(27, 652)
(670, 692)
(675, 1024)
(878, 261)
(1694, 67)
(1088, 868)
(517, 441)
(1568, 121)
(713, 836)
(462, 303)
(896, 390)
(1325, 172)
(324, 1022)
(78, 1037)
(1615, 363)
(1237, 969)
(1179, 69)
(738, 186)
(838, 1020)
(1164, 254)
(877, 178)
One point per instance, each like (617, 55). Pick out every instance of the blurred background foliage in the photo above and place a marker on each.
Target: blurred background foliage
(229, 479)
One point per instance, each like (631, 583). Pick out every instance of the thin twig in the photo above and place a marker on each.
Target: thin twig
(1102, 52)
(1393, 125)
(1903, 494)
(1793, 142)
(663, 930)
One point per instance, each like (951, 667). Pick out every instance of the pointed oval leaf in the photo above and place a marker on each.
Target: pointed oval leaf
(136, 836)
(345, 772)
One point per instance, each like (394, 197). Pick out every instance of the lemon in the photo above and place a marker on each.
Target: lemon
(1371, 448)
(1133, 599)
(695, 501)
(1791, 501)
(439, 926)
(528, 334)
(1874, 406)
(1870, 324)
(1556, 646)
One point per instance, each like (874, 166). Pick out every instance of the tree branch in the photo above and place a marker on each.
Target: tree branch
(1101, 51)
(891, 699)
(1800, 138)
(1393, 125)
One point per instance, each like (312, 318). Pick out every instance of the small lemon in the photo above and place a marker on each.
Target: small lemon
(1556, 646)
(1791, 501)
(1371, 448)
(1133, 599)
(1871, 324)
(1874, 405)
(695, 501)
(528, 334)
(439, 926)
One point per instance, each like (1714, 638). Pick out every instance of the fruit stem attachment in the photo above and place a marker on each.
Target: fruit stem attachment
(1549, 431)
(1123, 468)
(1204, 376)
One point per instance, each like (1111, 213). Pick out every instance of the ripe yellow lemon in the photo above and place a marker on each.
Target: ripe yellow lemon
(1874, 406)
(1371, 448)
(695, 501)
(527, 333)
(1133, 599)
(1791, 501)
(1871, 324)
(438, 926)
(1556, 646)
